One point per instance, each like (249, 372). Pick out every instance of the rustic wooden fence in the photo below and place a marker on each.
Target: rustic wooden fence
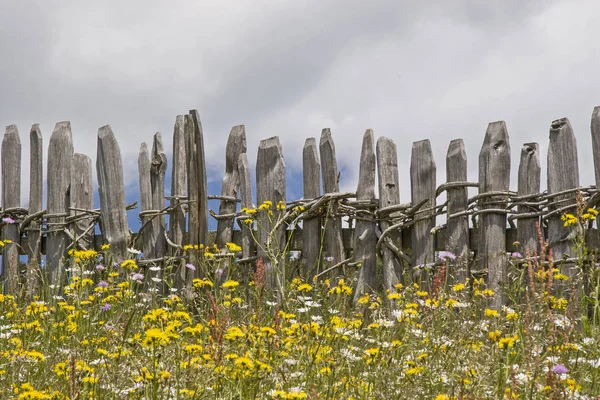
(403, 235)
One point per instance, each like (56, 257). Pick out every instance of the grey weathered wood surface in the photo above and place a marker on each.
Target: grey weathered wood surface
(364, 233)
(197, 190)
(494, 175)
(109, 168)
(563, 174)
(270, 185)
(158, 169)
(458, 227)
(247, 243)
(178, 194)
(147, 239)
(178, 182)
(11, 197)
(422, 184)
(595, 128)
(191, 156)
(334, 247)
(311, 227)
(33, 242)
(389, 195)
(82, 197)
(236, 145)
(529, 183)
(60, 161)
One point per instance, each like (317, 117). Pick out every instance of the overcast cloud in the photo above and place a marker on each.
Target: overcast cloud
(408, 69)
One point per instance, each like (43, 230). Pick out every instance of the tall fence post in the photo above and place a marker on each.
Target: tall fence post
(563, 174)
(11, 198)
(458, 226)
(494, 176)
(270, 186)
(82, 197)
(197, 192)
(158, 169)
(364, 233)
(334, 246)
(422, 184)
(33, 244)
(595, 129)
(178, 193)
(60, 159)
(311, 227)
(146, 233)
(248, 245)
(389, 195)
(529, 184)
(236, 145)
(109, 168)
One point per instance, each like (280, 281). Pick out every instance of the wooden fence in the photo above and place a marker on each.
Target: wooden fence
(403, 235)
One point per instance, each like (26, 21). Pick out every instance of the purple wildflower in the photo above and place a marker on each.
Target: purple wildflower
(100, 267)
(137, 277)
(106, 307)
(559, 369)
(103, 284)
(516, 254)
(190, 266)
(447, 254)
(8, 220)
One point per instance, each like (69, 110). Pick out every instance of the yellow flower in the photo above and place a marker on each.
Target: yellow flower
(230, 284)
(232, 247)
(305, 287)
(459, 287)
(129, 264)
(265, 205)
(490, 313)
(280, 205)
(105, 247)
(569, 219)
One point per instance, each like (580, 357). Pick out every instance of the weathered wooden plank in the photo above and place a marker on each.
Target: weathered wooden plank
(191, 155)
(33, 243)
(364, 234)
(11, 197)
(60, 159)
(529, 183)
(178, 182)
(202, 204)
(82, 197)
(389, 195)
(147, 239)
(109, 168)
(595, 128)
(247, 241)
(422, 185)
(197, 195)
(494, 175)
(563, 174)
(311, 227)
(458, 228)
(158, 169)
(236, 145)
(178, 191)
(270, 186)
(334, 247)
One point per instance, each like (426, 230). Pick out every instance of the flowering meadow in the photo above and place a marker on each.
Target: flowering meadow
(120, 331)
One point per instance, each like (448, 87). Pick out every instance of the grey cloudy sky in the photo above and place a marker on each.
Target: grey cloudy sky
(408, 69)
